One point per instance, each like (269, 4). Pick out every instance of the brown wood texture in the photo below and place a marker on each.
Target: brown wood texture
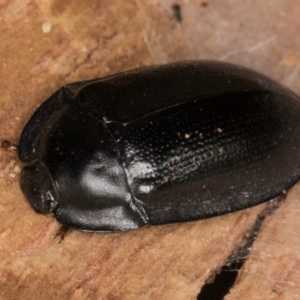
(46, 44)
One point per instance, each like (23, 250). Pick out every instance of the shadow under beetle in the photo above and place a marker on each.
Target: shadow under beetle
(161, 144)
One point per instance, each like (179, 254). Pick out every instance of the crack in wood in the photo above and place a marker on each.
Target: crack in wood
(225, 278)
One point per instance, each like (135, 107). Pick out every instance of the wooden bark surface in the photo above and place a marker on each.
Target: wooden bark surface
(46, 44)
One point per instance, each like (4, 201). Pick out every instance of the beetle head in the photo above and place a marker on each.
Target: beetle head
(39, 188)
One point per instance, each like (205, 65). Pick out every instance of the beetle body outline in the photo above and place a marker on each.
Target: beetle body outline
(161, 144)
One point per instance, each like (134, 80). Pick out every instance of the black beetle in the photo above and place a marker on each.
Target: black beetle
(161, 144)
